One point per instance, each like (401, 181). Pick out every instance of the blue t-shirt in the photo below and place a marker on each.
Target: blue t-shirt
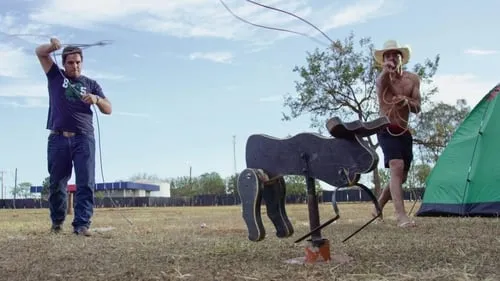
(67, 112)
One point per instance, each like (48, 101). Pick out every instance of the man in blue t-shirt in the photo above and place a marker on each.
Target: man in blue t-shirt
(71, 139)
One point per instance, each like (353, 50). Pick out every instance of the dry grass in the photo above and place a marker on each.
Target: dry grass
(169, 244)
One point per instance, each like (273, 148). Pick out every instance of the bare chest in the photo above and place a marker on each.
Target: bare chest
(402, 86)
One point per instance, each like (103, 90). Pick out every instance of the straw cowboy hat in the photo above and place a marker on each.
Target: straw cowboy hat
(389, 46)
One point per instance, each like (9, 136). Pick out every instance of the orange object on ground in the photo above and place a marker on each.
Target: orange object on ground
(318, 251)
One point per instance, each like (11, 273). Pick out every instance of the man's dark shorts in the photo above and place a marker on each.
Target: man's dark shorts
(396, 146)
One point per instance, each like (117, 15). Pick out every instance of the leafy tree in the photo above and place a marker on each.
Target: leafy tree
(295, 185)
(183, 187)
(207, 183)
(341, 81)
(232, 184)
(22, 190)
(421, 172)
(144, 177)
(417, 176)
(211, 183)
(436, 126)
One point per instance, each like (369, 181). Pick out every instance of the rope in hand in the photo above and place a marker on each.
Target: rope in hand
(280, 29)
(75, 91)
(395, 108)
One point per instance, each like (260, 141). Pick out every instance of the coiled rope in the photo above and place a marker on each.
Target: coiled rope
(395, 104)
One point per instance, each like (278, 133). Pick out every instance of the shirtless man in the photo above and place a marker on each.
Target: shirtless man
(398, 94)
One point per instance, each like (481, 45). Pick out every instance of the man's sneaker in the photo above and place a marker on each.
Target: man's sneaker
(82, 231)
(56, 228)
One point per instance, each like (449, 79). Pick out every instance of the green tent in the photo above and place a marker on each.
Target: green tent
(466, 178)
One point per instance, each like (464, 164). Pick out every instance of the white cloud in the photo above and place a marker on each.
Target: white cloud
(201, 18)
(173, 17)
(17, 50)
(355, 13)
(219, 57)
(14, 61)
(31, 32)
(479, 52)
(24, 88)
(462, 86)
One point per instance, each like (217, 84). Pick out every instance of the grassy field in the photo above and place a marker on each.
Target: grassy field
(170, 244)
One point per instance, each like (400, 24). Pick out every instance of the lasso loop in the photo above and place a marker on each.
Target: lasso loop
(293, 15)
(100, 43)
(276, 28)
(54, 54)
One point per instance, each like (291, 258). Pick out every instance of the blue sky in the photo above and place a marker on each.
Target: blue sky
(186, 76)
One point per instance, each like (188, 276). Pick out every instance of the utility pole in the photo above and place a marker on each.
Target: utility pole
(235, 179)
(190, 174)
(234, 154)
(2, 173)
(15, 189)
(190, 183)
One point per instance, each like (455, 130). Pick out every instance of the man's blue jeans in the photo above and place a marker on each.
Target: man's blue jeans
(62, 153)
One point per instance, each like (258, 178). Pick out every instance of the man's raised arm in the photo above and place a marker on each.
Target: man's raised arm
(43, 53)
(383, 81)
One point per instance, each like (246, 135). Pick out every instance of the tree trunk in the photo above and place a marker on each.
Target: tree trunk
(376, 181)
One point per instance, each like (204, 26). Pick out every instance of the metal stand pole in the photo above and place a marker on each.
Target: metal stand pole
(318, 248)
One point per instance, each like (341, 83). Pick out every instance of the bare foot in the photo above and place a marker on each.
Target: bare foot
(404, 221)
(407, 224)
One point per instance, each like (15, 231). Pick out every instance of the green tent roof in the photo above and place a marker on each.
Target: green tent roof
(466, 178)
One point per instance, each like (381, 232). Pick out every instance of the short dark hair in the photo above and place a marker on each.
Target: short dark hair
(69, 50)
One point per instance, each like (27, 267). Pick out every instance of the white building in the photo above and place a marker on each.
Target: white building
(163, 192)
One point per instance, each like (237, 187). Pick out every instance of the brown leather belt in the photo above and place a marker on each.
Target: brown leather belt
(64, 133)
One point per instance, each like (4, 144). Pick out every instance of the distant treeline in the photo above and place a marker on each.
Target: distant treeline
(353, 195)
